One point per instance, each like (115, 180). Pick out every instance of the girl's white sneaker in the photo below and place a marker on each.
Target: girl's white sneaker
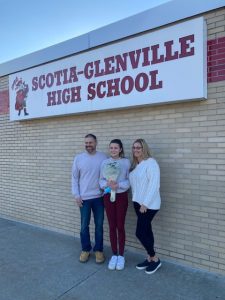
(120, 263)
(113, 262)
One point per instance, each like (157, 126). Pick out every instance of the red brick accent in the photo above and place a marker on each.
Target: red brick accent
(216, 60)
(4, 102)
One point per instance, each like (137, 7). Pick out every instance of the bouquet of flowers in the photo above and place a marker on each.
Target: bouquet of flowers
(111, 171)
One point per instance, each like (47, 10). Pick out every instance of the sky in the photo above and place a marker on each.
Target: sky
(30, 25)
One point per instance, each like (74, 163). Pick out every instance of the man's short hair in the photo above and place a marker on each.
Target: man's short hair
(91, 135)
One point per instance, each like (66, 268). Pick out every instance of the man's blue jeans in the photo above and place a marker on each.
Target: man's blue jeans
(97, 207)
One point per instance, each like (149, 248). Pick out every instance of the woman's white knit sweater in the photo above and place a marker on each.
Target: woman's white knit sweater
(145, 184)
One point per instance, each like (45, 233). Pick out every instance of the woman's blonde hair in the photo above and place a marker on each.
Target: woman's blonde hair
(146, 152)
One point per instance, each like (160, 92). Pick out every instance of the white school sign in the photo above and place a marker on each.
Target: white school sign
(163, 66)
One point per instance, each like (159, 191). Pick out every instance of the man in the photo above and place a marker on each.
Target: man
(88, 196)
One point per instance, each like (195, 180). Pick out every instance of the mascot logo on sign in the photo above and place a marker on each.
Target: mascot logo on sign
(22, 90)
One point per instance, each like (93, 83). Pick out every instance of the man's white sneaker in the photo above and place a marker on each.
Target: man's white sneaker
(120, 263)
(113, 262)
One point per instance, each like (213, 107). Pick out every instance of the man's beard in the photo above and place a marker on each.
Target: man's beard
(90, 149)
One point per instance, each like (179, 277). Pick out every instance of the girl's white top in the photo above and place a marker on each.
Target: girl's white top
(145, 184)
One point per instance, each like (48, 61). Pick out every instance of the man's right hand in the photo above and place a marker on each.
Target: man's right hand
(79, 201)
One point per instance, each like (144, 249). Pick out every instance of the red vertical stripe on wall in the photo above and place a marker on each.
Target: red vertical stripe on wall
(216, 60)
(4, 102)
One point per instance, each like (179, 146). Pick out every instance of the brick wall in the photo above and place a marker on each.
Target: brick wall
(187, 139)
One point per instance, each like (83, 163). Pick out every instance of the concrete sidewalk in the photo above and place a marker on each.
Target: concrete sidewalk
(37, 264)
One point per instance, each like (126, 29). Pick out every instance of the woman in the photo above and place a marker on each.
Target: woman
(145, 183)
(116, 208)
